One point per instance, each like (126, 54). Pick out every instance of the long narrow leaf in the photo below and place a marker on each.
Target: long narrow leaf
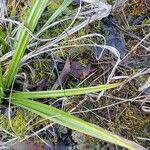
(61, 8)
(72, 122)
(20, 47)
(1, 76)
(63, 93)
(3, 43)
(1, 83)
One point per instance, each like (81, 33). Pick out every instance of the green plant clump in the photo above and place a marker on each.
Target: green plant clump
(27, 101)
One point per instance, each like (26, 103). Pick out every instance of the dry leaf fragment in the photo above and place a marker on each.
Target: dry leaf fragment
(74, 69)
(63, 75)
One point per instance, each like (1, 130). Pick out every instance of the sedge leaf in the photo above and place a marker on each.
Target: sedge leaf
(75, 123)
(23, 38)
(64, 92)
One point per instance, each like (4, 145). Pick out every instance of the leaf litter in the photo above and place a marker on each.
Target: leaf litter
(74, 69)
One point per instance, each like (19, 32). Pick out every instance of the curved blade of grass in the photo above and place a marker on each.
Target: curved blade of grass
(75, 123)
(63, 93)
(61, 8)
(21, 45)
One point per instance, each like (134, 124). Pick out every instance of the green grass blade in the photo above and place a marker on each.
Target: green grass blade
(23, 38)
(1, 83)
(61, 8)
(3, 41)
(1, 76)
(63, 93)
(72, 122)
(4, 45)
